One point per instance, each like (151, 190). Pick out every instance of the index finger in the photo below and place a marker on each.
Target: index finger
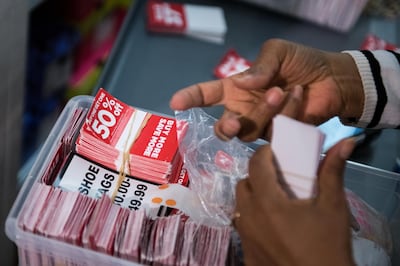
(198, 95)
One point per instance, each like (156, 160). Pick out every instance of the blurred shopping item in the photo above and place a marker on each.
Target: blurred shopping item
(203, 22)
(340, 15)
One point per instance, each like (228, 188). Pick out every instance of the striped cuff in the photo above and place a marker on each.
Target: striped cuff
(370, 94)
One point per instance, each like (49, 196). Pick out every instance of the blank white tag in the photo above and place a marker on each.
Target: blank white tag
(297, 148)
(205, 22)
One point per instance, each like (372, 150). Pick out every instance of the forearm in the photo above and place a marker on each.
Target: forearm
(380, 75)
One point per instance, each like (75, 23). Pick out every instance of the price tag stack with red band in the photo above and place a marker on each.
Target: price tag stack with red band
(198, 21)
(130, 141)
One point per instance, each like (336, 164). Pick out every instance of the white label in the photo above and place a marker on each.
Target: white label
(93, 180)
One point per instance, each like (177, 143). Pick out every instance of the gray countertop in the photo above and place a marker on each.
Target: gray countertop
(145, 69)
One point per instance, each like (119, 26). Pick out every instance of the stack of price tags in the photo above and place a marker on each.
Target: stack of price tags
(130, 141)
(197, 21)
(114, 183)
(102, 226)
(297, 155)
(340, 15)
(122, 152)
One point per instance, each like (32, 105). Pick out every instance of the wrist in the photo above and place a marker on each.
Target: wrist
(350, 86)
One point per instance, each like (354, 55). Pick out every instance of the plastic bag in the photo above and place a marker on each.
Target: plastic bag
(214, 166)
(368, 253)
(371, 224)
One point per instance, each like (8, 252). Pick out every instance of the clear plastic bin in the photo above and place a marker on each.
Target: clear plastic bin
(381, 189)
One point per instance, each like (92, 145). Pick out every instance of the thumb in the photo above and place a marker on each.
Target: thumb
(331, 171)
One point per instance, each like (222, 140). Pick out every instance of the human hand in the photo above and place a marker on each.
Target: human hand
(331, 83)
(277, 230)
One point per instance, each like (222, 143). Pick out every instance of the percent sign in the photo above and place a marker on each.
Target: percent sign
(110, 104)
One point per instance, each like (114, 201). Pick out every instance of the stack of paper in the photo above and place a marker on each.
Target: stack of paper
(297, 148)
(129, 140)
(198, 21)
(102, 226)
(340, 14)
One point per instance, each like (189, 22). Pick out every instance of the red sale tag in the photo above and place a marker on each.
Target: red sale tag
(107, 118)
(166, 17)
(157, 139)
(232, 63)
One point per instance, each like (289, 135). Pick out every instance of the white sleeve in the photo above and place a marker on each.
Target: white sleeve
(380, 75)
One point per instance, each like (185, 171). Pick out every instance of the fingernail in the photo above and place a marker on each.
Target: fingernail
(243, 75)
(229, 128)
(221, 135)
(274, 96)
(347, 148)
(297, 92)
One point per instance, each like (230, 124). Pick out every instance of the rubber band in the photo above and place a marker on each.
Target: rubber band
(125, 158)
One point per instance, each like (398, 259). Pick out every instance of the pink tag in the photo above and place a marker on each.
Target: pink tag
(232, 63)
(223, 160)
(373, 42)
